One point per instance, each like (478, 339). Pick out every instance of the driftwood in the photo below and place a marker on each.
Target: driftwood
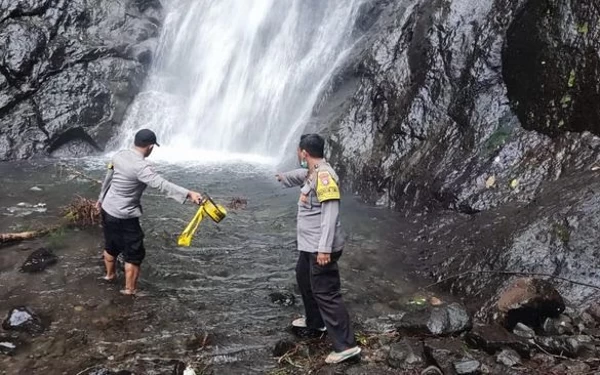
(23, 236)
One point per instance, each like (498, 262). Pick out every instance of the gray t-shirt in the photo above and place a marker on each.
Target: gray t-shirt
(127, 178)
(319, 228)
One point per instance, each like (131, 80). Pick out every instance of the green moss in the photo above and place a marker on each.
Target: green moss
(583, 29)
(497, 139)
(562, 232)
(57, 238)
(572, 78)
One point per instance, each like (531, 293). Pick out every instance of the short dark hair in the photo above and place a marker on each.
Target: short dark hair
(314, 144)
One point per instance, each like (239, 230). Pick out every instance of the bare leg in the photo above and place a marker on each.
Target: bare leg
(132, 273)
(109, 263)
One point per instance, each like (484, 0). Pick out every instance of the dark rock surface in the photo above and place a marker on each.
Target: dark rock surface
(38, 261)
(68, 71)
(482, 107)
(23, 319)
(9, 345)
(406, 355)
(442, 320)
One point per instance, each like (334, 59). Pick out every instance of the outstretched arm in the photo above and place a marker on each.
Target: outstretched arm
(176, 192)
(293, 178)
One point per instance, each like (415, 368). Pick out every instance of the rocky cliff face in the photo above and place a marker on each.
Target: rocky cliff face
(68, 71)
(472, 106)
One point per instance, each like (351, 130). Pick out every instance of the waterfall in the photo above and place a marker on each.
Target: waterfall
(240, 78)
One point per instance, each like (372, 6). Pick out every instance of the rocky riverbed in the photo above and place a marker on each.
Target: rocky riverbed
(224, 305)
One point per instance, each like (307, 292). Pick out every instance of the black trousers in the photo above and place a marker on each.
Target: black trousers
(322, 297)
(124, 236)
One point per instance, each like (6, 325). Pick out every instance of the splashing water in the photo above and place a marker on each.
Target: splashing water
(235, 78)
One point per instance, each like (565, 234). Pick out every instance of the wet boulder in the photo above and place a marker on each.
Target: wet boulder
(406, 355)
(440, 320)
(23, 319)
(450, 319)
(39, 260)
(9, 345)
(529, 301)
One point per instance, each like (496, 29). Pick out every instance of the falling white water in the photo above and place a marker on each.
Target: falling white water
(235, 78)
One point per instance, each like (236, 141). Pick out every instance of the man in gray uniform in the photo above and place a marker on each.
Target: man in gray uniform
(128, 175)
(320, 241)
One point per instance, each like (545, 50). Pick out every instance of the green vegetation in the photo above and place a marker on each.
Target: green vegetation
(497, 139)
(562, 232)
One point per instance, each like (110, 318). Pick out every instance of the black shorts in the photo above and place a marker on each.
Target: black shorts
(124, 236)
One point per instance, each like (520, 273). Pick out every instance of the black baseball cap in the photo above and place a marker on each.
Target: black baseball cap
(145, 137)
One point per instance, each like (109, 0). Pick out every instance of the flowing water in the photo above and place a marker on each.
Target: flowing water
(240, 77)
(220, 287)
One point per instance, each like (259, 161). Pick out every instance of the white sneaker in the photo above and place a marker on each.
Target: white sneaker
(301, 323)
(335, 357)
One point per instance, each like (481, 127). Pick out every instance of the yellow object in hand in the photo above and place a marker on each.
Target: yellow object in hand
(208, 208)
(185, 238)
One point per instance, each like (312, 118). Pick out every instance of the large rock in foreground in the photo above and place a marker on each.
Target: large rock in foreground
(22, 319)
(69, 70)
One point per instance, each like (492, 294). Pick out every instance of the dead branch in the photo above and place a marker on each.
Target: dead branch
(23, 236)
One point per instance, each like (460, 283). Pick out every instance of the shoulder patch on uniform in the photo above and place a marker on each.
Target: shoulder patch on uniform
(111, 166)
(327, 187)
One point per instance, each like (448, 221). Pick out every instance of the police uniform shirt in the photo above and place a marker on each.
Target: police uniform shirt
(319, 228)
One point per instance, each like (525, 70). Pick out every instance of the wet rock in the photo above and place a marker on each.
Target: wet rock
(522, 330)
(283, 299)
(508, 358)
(68, 72)
(558, 326)
(9, 345)
(443, 320)
(282, 347)
(467, 367)
(543, 359)
(406, 355)
(443, 353)
(23, 319)
(449, 319)
(563, 345)
(39, 260)
(529, 301)
(594, 311)
(492, 339)
(432, 370)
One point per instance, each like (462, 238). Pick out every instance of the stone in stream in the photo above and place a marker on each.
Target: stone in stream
(38, 261)
(508, 358)
(22, 319)
(283, 299)
(529, 301)
(8, 345)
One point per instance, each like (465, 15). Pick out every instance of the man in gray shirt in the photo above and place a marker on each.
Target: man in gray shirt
(129, 173)
(320, 241)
